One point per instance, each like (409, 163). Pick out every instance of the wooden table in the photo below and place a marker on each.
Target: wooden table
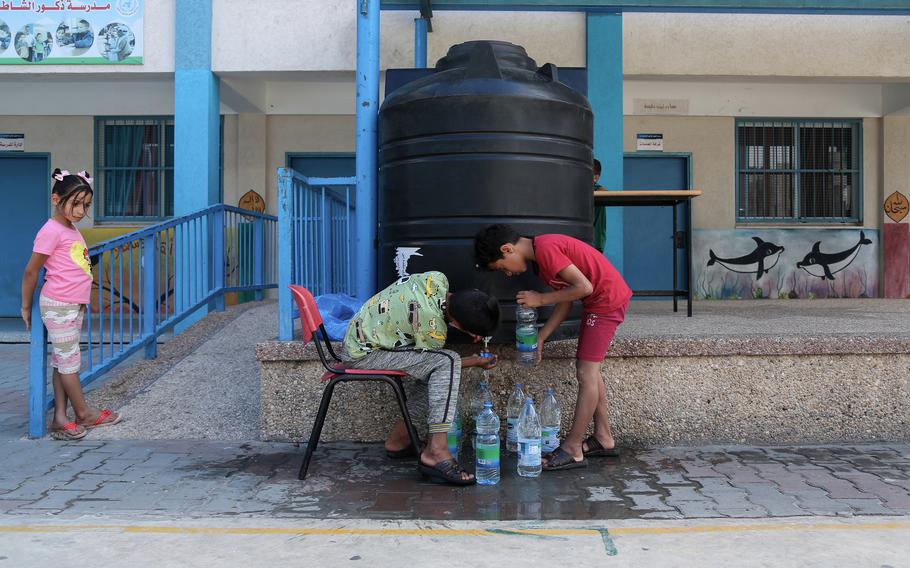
(680, 240)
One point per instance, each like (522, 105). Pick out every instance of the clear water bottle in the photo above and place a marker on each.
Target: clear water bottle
(526, 335)
(513, 409)
(487, 449)
(528, 441)
(482, 395)
(453, 437)
(550, 420)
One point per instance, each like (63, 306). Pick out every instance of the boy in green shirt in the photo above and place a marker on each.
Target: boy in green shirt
(404, 327)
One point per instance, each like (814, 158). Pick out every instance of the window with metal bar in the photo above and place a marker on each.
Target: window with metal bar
(134, 168)
(134, 165)
(807, 171)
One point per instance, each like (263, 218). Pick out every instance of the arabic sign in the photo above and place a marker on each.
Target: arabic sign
(649, 142)
(896, 206)
(65, 32)
(12, 142)
(661, 106)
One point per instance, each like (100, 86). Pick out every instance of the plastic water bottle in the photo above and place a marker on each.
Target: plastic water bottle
(453, 437)
(513, 409)
(528, 441)
(526, 335)
(550, 419)
(482, 395)
(487, 449)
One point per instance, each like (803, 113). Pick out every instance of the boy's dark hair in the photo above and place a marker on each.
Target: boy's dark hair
(475, 311)
(68, 186)
(488, 241)
(597, 167)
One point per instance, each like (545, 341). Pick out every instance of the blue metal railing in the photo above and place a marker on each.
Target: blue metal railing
(148, 280)
(315, 239)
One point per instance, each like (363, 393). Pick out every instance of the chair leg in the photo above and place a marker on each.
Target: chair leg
(402, 403)
(317, 427)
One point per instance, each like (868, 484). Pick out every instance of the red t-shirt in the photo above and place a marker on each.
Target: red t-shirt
(555, 252)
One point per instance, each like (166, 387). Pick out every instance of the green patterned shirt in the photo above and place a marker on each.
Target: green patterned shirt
(407, 313)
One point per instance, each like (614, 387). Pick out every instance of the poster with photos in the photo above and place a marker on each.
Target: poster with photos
(71, 32)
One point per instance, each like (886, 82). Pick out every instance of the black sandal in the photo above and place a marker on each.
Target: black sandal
(596, 450)
(401, 454)
(447, 471)
(561, 459)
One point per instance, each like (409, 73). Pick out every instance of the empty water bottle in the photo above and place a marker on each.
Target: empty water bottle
(526, 335)
(513, 409)
(528, 441)
(453, 437)
(487, 449)
(550, 418)
(482, 395)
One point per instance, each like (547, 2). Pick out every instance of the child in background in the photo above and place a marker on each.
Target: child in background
(61, 250)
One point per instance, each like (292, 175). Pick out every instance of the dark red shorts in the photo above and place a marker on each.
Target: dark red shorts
(596, 335)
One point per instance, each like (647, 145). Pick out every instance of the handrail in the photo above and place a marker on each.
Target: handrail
(149, 280)
(316, 236)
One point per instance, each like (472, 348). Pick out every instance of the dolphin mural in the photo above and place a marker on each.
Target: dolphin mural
(752, 263)
(824, 265)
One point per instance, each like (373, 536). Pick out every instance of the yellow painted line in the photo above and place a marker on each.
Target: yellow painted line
(617, 531)
(290, 530)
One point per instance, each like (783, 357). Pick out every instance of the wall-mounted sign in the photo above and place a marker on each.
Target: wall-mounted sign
(12, 142)
(649, 142)
(65, 32)
(252, 201)
(896, 206)
(661, 106)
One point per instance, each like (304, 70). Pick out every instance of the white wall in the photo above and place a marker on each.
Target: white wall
(320, 35)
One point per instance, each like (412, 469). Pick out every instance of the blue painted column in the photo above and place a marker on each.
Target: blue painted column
(196, 133)
(420, 43)
(604, 63)
(367, 121)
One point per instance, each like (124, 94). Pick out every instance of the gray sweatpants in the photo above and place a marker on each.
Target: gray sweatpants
(431, 386)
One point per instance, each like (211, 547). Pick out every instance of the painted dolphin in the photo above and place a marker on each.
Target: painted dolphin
(752, 263)
(825, 266)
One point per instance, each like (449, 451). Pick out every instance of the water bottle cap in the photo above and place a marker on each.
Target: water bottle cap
(487, 404)
(529, 400)
(549, 390)
(518, 385)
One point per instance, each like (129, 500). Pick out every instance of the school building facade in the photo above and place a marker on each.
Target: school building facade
(795, 127)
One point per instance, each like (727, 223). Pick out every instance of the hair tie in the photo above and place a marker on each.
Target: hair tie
(61, 175)
(86, 176)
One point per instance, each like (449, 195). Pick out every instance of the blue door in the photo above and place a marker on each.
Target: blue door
(323, 165)
(24, 187)
(648, 231)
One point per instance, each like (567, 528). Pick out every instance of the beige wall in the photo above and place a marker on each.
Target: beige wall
(68, 139)
(711, 143)
(896, 147)
(303, 134)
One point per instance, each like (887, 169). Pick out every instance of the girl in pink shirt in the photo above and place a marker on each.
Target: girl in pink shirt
(61, 250)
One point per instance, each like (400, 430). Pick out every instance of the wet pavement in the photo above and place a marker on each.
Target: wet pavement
(187, 479)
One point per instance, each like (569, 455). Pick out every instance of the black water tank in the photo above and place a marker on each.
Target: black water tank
(488, 138)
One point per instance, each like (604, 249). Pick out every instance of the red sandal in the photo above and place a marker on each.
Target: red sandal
(103, 419)
(70, 431)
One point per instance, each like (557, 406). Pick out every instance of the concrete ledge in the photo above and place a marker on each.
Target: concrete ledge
(662, 389)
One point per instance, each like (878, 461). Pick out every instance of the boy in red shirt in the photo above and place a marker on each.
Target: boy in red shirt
(575, 271)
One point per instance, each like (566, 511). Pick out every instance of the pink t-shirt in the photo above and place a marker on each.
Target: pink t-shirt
(68, 269)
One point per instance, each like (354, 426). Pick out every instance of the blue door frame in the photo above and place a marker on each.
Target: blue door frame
(648, 231)
(25, 214)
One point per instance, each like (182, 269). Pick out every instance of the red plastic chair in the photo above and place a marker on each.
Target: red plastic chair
(310, 323)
